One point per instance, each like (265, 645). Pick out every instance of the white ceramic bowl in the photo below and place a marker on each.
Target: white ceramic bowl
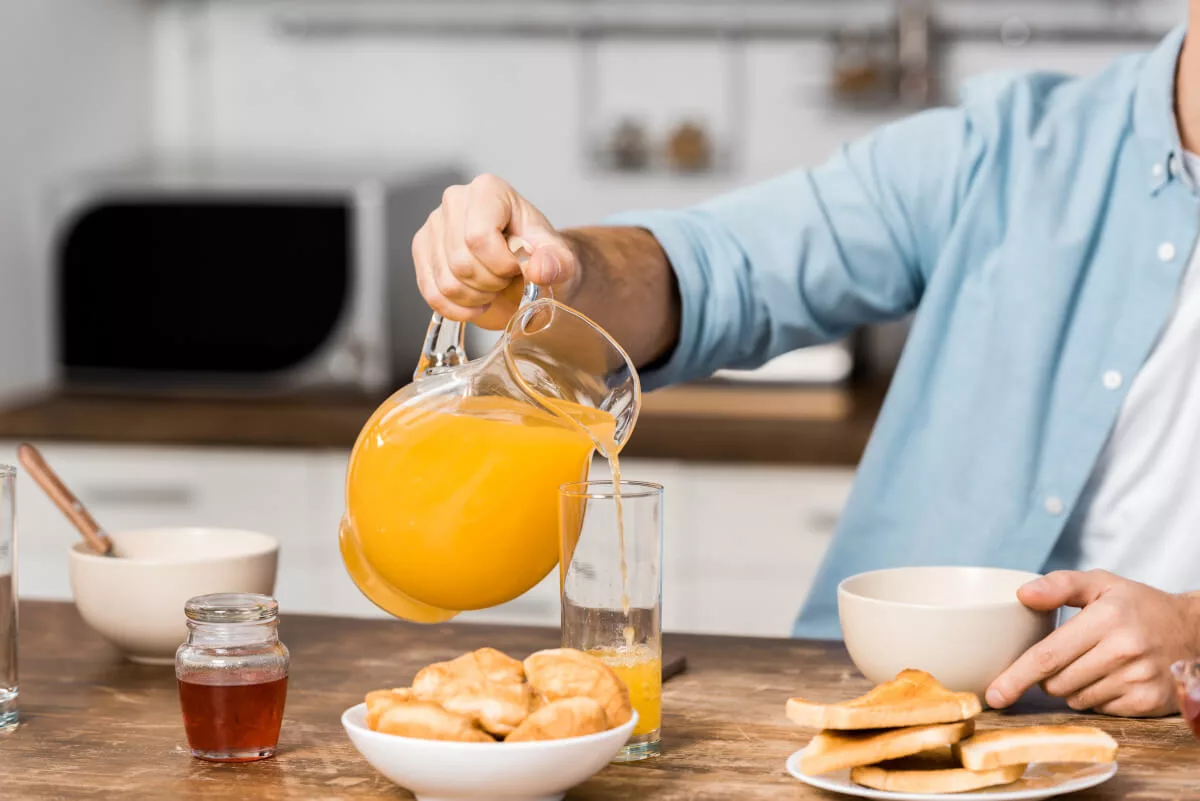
(443, 771)
(964, 625)
(135, 600)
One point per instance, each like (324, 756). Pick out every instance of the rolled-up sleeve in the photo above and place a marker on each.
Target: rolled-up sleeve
(806, 257)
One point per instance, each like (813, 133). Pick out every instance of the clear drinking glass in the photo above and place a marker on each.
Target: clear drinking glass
(1187, 684)
(9, 714)
(612, 595)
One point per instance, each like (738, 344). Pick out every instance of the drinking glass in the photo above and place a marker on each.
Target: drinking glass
(9, 715)
(1187, 685)
(611, 581)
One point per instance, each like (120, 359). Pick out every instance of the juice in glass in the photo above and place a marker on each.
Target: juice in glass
(640, 667)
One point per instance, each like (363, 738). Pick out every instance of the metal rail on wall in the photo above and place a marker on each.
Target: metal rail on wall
(885, 54)
(532, 23)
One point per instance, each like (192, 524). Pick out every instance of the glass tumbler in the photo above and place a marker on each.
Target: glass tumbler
(9, 714)
(232, 673)
(611, 581)
(1187, 685)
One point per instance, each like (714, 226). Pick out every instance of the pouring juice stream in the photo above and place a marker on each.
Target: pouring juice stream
(601, 430)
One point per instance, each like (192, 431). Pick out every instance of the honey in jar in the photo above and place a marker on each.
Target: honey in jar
(232, 675)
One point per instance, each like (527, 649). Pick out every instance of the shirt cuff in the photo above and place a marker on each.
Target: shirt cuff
(673, 231)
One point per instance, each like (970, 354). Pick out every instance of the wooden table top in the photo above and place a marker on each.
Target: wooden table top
(814, 426)
(97, 727)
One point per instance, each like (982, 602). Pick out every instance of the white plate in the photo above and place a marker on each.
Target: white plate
(1041, 780)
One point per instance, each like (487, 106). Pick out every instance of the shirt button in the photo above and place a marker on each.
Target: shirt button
(1157, 171)
(1054, 505)
(1166, 251)
(1112, 379)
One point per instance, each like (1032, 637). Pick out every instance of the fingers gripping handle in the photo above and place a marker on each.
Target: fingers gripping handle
(445, 340)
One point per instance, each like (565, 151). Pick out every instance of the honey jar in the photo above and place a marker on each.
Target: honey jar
(232, 673)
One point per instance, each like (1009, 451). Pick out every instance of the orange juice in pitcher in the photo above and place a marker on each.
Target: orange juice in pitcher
(452, 488)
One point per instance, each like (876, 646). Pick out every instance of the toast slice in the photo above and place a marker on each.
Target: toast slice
(931, 772)
(1000, 747)
(835, 750)
(913, 698)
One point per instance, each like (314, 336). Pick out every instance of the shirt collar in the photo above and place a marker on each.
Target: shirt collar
(1154, 110)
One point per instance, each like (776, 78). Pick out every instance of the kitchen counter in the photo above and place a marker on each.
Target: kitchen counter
(827, 427)
(98, 727)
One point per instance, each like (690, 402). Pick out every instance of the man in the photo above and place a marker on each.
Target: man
(1046, 412)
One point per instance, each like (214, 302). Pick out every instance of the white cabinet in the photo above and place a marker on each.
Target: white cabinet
(751, 540)
(332, 593)
(134, 487)
(741, 546)
(740, 543)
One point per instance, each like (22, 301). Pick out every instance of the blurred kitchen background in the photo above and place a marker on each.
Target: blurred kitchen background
(205, 281)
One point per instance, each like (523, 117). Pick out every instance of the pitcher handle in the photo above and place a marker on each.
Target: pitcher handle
(436, 356)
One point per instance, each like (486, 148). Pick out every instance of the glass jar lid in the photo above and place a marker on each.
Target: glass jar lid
(232, 607)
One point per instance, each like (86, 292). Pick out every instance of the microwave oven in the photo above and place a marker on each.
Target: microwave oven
(240, 278)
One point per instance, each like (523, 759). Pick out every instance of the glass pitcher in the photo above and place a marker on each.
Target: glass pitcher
(452, 488)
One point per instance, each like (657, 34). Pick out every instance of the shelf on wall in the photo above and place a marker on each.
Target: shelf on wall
(761, 20)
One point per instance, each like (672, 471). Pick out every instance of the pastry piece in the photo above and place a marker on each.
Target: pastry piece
(492, 665)
(835, 750)
(486, 685)
(913, 698)
(934, 771)
(379, 701)
(570, 717)
(429, 721)
(566, 673)
(999, 747)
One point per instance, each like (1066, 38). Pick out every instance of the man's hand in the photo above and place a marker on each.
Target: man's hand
(1115, 655)
(465, 269)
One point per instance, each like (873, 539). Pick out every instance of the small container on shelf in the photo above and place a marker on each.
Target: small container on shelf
(232, 673)
(630, 147)
(690, 148)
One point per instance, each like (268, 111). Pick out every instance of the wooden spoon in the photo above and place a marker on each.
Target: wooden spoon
(64, 499)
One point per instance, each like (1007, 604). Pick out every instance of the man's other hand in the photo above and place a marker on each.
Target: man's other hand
(1115, 655)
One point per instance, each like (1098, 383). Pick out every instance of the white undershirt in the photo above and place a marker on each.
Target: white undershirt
(1140, 512)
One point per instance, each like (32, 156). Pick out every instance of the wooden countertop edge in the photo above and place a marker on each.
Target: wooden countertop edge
(820, 426)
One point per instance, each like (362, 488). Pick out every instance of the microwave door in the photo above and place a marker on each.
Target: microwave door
(229, 291)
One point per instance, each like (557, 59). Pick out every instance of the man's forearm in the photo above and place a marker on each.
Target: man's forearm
(626, 284)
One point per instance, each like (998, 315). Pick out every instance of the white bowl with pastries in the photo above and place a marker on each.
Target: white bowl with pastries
(135, 598)
(486, 726)
(961, 624)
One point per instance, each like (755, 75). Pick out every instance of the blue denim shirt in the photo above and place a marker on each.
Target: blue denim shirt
(1039, 230)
